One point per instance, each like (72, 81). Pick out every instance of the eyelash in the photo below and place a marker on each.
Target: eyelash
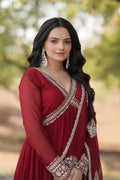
(54, 41)
(66, 42)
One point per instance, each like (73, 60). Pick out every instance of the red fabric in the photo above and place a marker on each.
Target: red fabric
(38, 98)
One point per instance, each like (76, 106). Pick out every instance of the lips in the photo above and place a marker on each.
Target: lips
(60, 54)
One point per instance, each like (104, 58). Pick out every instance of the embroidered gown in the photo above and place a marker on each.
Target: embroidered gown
(58, 137)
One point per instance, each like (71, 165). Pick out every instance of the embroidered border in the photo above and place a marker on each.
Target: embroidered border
(91, 127)
(75, 124)
(55, 83)
(83, 164)
(75, 103)
(89, 160)
(58, 168)
(87, 97)
(62, 108)
(71, 162)
(96, 176)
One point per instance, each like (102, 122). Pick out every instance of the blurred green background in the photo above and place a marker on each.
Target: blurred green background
(98, 25)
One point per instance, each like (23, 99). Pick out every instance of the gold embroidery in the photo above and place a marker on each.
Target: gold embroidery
(96, 176)
(71, 161)
(75, 103)
(69, 99)
(55, 83)
(91, 127)
(75, 124)
(89, 160)
(58, 168)
(62, 108)
(83, 164)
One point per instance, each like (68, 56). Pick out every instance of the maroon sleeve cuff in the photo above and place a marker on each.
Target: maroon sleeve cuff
(58, 168)
(83, 164)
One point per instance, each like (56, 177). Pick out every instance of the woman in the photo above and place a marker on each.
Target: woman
(57, 110)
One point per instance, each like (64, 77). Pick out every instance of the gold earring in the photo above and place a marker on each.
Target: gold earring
(44, 59)
(67, 63)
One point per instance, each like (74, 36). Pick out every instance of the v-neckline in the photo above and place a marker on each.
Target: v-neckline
(56, 83)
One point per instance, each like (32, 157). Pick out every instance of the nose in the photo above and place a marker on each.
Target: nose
(61, 45)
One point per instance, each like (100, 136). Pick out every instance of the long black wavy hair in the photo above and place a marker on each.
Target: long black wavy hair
(77, 61)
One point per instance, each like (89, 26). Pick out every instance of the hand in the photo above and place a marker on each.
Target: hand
(75, 174)
(66, 177)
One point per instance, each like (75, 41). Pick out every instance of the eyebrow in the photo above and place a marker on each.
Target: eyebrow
(58, 38)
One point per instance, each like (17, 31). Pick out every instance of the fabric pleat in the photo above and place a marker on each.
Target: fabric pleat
(41, 98)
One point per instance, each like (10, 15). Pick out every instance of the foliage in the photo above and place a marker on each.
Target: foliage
(18, 17)
(106, 8)
(104, 58)
(103, 61)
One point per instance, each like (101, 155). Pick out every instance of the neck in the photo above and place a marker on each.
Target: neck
(56, 66)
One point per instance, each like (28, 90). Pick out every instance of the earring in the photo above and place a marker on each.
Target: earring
(67, 63)
(44, 59)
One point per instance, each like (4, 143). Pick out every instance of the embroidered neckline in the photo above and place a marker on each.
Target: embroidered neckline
(74, 102)
(62, 108)
(56, 83)
(69, 99)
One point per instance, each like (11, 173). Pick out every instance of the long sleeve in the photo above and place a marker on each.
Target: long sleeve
(90, 158)
(38, 138)
(82, 164)
(31, 108)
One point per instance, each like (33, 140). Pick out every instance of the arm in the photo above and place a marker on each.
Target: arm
(38, 138)
(81, 169)
(91, 141)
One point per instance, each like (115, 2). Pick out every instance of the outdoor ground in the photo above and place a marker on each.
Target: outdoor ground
(107, 106)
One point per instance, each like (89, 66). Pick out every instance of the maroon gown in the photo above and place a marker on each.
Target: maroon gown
(58, 136)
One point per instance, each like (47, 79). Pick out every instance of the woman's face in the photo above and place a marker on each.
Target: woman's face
(58, 44)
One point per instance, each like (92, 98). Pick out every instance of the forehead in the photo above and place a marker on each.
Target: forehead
(59, 32)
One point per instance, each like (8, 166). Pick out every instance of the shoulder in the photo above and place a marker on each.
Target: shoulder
(32, 75)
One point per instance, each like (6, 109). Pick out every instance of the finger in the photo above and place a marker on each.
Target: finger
(71, 175)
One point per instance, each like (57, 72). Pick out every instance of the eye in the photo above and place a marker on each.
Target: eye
(67, 42)
(54, 41)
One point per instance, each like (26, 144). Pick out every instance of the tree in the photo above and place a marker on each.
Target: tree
(104, 58)
(103, 61)
(16, 18)
(106, 8)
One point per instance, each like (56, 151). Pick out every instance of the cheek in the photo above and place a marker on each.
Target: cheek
(69, 48)
(50, 48)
